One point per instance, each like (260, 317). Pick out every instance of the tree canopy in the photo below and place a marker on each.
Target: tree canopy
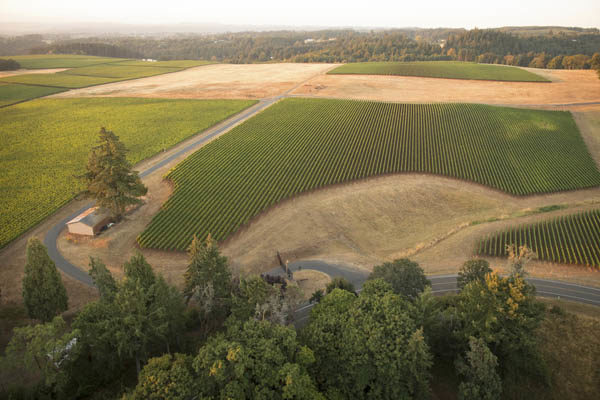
(406, 277)
(110, 179)
(44, 294)
(368, 346)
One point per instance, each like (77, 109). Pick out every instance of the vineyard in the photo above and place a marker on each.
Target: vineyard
(120, 71)
(569, 239)
(441, 69)
(15, 93)
(299, 145)
(45, 145)
(84, 71)
(43, 61)
(58, 80)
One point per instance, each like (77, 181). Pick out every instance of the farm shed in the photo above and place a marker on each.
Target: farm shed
(89, 222)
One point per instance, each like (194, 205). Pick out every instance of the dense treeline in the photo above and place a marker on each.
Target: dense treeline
(87, 48)
(232, 337)
(557, 51)
(9, 65)
(542, 48)
(17, 45)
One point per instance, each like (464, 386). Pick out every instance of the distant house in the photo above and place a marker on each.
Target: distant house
(90, 222)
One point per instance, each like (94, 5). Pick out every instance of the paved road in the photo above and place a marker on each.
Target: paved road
(52, 235)
(441, 284)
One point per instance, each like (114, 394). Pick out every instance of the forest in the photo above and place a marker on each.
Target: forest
(543, 47)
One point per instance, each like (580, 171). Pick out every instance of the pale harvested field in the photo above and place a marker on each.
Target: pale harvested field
(567, 86)
(218, 81)
(4, 74)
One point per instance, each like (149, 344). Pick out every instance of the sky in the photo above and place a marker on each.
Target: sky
(335, 13)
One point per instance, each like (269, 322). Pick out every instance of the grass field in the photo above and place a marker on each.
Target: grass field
(171, 63)
(58, 80)
(302, 144)
(45, 144)
(441, 69)
(571, 239)
(43, 61)
(119, 71)
(15, 93)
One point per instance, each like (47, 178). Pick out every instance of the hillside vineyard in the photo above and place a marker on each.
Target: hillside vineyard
(570, 239)
(299, 145)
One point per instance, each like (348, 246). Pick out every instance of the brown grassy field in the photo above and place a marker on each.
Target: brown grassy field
(219, 81)
(568, 86)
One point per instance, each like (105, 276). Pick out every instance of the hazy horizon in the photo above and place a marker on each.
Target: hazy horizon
(309, 13)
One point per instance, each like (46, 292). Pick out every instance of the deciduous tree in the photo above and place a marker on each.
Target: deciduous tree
(473, 270)
(255, 359)
(368, 346)
(406, 277)
(479, 370)
(340, 283)
(167, 377)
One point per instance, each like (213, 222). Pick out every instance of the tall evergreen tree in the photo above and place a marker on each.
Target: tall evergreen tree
(103, 279)
(109, 177)
(208, 278)
(44, 294)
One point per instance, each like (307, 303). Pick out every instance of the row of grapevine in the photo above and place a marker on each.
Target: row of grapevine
(299, 145)
(570, 239)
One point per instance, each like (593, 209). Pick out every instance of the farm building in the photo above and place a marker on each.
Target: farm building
(90, 222)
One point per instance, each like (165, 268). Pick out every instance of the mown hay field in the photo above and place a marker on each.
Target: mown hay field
(441, 69)
(299, 145)
(15, 93)
(45, 144)
(43, 61)
(568, 239)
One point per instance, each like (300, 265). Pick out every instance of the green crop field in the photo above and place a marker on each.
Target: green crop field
(43, 61)
(441, 69)
(570, 239)
(119, 71)
(298, 145)
(58, 80)
(15, 93)
(171, 63)
(45, 144)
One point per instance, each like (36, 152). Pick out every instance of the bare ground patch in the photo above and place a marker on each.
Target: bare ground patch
(218, 81)
(4, 74)
(567, 86)
(310, 280)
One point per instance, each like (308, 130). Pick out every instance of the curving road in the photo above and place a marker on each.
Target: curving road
(52, 235)
(440, 283)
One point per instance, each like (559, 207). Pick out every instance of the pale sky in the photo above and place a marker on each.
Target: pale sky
(368, 13)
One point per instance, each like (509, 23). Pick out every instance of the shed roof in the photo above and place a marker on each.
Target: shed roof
(90, 217)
